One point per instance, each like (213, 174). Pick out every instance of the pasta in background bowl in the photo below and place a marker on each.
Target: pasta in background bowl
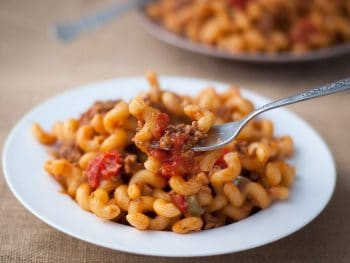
(252, 26)
(252, 30)
(157, 201)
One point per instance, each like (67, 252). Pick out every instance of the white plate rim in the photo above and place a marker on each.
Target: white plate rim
(11, 135)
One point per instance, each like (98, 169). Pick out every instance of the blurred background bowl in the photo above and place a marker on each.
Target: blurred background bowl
(173, 39)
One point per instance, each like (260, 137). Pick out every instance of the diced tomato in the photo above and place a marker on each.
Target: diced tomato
(169, 169)
(177, 164)
(221, 162)
(104, 166)
(93, 172)
(180, 201)
(112, 163)
(303, 30)
(162, 122)
(240, 4)
(159, 154)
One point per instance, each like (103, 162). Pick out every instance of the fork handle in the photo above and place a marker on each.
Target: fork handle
(328, 89)
(68, 31)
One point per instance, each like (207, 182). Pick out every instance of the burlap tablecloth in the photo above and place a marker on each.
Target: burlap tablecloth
(33, 67)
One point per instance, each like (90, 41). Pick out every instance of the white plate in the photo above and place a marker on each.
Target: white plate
(23, 159)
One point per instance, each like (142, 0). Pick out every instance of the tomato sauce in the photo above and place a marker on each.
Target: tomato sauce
(180, 201)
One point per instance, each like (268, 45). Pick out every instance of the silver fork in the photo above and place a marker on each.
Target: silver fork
(66, 32)
(221, 135)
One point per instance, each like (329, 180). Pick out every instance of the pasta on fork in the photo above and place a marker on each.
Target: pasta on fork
(106, 161)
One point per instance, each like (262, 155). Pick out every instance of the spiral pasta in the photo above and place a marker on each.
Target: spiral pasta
(133, 163)
(42, 136)
(102, 206)
(186, 225)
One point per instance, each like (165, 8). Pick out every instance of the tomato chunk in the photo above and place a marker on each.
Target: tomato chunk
(162, 122)
(170, 168)
(104, 166)
(180, 201)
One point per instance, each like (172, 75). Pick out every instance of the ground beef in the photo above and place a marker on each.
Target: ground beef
(131, 165)
(190, 132)
(70, 152)
(99, 107)
(211, 221)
